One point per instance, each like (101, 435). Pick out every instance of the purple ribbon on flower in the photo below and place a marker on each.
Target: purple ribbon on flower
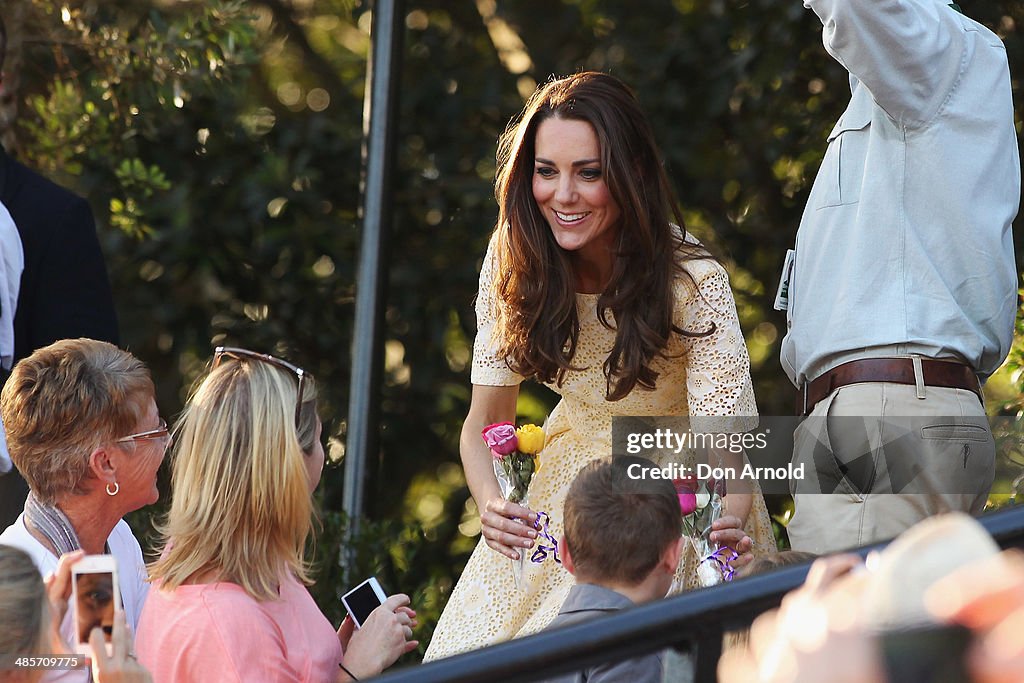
(724, 563)
(544, 537)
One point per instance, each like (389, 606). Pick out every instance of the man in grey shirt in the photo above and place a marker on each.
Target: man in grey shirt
(903, 288)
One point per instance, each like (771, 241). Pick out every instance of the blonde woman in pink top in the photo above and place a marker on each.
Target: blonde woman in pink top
(229, 599)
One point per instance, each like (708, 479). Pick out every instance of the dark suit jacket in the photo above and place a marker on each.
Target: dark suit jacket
(65, 292)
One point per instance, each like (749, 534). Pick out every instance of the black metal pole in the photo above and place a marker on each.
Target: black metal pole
(380, 104)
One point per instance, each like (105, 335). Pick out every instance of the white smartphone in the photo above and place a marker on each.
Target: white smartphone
(95, 599)
(363, 599)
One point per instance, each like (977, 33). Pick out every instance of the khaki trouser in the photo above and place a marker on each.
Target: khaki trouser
(879, 459)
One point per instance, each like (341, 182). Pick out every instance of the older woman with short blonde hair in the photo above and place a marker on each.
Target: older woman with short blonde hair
(230, 601)
(83, 428)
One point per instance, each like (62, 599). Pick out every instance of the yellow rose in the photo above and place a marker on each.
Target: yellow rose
(531, 439)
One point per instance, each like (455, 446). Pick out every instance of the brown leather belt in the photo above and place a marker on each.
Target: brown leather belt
(937, 373)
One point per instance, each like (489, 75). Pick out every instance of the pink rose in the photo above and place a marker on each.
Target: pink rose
(501, 439)
(686, 484)
(687, 502)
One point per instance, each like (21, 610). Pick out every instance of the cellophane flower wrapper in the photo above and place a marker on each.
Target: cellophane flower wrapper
(513, 490)
(701, 504)
(710, 570)
(514, 470)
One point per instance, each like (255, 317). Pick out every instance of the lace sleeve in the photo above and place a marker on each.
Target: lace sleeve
(488, 368)
(717, 366)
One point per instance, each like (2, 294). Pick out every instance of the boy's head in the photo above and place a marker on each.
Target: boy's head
(618, 531)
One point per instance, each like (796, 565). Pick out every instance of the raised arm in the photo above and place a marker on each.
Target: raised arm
(908, 53)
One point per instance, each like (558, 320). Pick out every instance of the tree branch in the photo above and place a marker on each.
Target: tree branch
(284, 16)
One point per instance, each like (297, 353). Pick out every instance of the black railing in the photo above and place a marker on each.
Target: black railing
(693, 621)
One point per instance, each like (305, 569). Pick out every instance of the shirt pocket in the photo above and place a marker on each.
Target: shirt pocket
(842, 169)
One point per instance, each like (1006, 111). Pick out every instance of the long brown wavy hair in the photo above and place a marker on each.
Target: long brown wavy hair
(534, 289)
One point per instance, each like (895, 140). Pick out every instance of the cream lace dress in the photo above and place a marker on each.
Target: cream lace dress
(704, 376)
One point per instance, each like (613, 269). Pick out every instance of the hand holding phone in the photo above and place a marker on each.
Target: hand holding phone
(386, 635)
(95, 599)
(363, 599)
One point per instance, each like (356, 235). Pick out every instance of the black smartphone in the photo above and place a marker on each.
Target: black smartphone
(363, 599)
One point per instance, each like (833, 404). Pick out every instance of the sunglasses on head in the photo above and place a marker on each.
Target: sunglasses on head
(246, 355)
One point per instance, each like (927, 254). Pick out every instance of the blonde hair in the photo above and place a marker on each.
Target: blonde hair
(241, 503)
(22, 604)
(63, 402)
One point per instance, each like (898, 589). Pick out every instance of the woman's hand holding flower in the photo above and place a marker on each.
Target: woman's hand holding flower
(728, 531)
(506, 524)
(502, 532)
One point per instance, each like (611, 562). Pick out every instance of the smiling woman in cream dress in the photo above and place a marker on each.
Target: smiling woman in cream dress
(589, 287)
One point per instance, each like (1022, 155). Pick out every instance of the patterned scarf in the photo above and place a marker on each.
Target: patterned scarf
(53, 524)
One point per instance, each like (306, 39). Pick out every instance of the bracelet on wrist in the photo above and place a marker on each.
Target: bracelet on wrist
(350, 674)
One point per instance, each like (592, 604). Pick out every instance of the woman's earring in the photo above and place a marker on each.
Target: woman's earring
(117, 487)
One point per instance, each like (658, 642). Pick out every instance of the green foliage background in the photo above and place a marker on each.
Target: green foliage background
(219, 144)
